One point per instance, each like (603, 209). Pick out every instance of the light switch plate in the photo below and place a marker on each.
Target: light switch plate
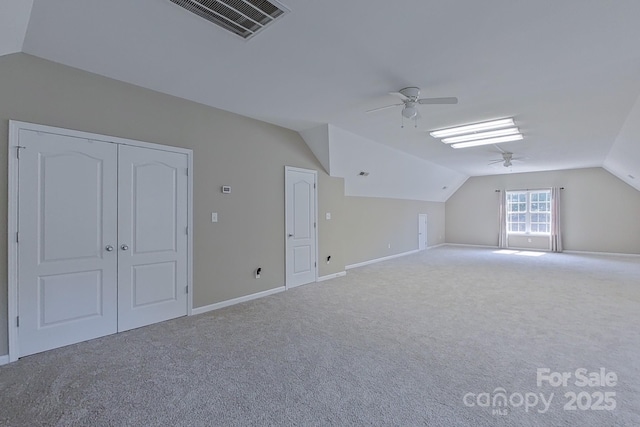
(327, 215)
(214, 216)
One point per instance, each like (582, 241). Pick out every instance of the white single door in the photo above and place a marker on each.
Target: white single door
(300, 194)
(67, 257)
(152, 236)
(422, 231)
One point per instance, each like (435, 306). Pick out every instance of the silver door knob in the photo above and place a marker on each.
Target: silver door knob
(108, 248)
(124, 247)
(290, 235)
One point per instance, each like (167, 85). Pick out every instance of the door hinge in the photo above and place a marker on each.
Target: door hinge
(314, 185)
(18, 147)
(186, 231)
(187, 171)
(186, 289)
(17, 237)
(17, 321)
(314, 225)
(315, 264)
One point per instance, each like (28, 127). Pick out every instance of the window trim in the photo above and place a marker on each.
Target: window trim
(528, 212)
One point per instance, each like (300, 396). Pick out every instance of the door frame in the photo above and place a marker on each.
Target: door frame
(426, 226)
(287, 169)
(12, 214)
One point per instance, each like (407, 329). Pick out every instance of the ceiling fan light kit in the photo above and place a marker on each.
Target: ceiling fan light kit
(409, 111)
(476, 134)
(410, 97)
(506, 160)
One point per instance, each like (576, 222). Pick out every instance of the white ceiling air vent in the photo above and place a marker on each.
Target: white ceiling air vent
(242, 17)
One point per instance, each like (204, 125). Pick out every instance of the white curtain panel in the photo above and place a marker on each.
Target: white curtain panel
(502, 219)
(556, 230)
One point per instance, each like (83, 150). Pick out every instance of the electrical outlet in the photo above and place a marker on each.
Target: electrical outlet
(389, 245)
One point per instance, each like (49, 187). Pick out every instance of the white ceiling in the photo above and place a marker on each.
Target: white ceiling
(566, 70)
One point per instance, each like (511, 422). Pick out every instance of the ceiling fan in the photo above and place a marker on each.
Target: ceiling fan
(410, 97)
(507, 159)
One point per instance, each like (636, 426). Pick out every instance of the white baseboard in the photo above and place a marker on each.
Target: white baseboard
(4, 359)
(515, 248)
(331, 276)
(373, 261)
(546, 250)
(436, 246)
(600, 253)
(227, 303)
(470, 246)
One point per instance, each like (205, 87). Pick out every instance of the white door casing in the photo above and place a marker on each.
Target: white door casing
(152, 236)
(301, 226)
(71, 212)
(422, 232)
(67, 216)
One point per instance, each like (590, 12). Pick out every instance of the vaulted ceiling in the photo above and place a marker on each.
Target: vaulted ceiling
(567, 71)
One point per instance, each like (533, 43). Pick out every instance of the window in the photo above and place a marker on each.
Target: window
(529, 212)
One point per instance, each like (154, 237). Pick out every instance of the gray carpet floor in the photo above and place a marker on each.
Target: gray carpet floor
(413, 341)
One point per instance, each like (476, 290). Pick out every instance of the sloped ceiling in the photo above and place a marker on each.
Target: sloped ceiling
(370, 169)
(567, 71)
(624, 156)
(14, 18)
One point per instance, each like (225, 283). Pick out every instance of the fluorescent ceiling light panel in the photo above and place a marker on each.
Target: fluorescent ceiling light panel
(488, 141)
(481, 135)
(459, 130)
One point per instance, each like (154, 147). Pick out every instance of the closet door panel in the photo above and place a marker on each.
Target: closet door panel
(152, 235)
(67, 214)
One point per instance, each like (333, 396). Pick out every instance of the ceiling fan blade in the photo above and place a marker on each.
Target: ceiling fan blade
(450, 100)
(493, 162)
(383, 108)
(399, 95)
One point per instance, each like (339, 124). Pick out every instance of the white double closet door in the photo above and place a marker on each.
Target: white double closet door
(102, 244)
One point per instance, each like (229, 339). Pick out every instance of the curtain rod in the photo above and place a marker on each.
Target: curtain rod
(529, 189)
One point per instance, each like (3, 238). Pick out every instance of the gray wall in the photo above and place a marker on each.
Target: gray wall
(373, 224)
(599, 212)
(229, 149)
(333, 232)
